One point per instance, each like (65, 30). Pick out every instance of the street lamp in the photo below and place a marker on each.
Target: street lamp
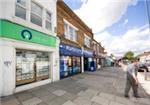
(147, 10)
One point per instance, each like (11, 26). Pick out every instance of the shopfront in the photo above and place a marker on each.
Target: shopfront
(29, 58)
(70, 60)
(89, 61)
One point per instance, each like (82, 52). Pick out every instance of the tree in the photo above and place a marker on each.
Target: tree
(129, 55)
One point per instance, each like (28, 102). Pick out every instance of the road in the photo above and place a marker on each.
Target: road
(103, 87)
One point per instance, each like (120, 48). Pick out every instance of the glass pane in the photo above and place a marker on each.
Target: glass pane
(75, 35)
(31, 66)
(42, 64)
(48, 16)
(36, 9)
(36, 20)
(66, 31)
(76, 65)
(24, 66)
(20, 12)
(71, 33)
(48, 25)
(22, 2)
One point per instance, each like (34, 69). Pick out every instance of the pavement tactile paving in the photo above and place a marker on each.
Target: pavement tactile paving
(103, 87)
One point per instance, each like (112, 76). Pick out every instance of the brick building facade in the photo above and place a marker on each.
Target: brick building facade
(76, 51)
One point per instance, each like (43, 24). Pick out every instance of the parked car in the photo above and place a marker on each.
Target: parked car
(143, 67)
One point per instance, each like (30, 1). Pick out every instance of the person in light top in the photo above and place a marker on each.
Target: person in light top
(132, 80)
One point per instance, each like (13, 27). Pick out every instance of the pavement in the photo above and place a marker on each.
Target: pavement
(103, 87)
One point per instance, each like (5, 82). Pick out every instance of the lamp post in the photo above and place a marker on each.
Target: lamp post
(147, 10)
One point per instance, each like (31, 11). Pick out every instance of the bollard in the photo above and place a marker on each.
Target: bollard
(145, 74)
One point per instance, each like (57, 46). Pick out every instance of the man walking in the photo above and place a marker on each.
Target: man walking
(132, 80)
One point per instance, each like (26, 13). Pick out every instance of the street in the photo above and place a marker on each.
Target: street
(103, 87)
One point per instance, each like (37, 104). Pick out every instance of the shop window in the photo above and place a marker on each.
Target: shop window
(69, 66)
(48, 21)
(36, 14)
(20, 9)
(31, 66)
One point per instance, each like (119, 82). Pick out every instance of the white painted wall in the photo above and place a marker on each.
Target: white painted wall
(7, 11)
(8, 70)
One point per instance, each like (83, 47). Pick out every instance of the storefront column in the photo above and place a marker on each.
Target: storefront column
(8, 70)
(1, 76)
(55, 59)
(82, 64)
(82, 61)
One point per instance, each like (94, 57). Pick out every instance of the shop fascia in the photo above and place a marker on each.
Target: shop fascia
(71, 50)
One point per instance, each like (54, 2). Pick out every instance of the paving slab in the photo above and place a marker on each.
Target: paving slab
(143, 101)
(100, 100)
(124, 100)
(107, 96)
(32, 101)
(69, 103)
(82, 101)
(57, 101)
(69, 96)
(59, 92)
(115, 103)
(10, 100)
(22, 96)
(48, 97)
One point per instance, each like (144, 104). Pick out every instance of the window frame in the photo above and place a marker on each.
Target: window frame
(68, 34)
(29, 12)
(49, 21)
(33, 13)
(87, 39)
(23, 7)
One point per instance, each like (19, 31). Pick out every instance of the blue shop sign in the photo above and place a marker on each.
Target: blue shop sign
(88, 53)
(69, 50)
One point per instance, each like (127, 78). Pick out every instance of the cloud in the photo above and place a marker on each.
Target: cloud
(136, 39)
(100, 14)
(125, 22)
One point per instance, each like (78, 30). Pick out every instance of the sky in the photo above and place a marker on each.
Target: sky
(119, 25)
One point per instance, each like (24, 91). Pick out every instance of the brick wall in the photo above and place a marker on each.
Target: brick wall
(64, 12)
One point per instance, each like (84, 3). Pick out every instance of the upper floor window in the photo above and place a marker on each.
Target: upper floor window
(87, 41)
(20, 10)
(48, 21)
(70, 32)
(36, 14)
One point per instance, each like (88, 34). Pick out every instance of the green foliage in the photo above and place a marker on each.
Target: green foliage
(129, 55)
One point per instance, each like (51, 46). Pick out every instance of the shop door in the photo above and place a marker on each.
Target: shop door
(76, 65)
(86, 64)
(31, 66)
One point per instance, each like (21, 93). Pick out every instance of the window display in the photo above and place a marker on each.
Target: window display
(31, 66)
(69, 66)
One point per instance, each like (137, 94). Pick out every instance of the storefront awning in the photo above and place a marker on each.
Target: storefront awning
(88, 53)
(69, 50)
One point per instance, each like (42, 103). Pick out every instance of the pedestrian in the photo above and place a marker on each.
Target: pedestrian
(132, 80)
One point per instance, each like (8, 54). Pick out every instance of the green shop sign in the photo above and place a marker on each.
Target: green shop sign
(18, 32)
